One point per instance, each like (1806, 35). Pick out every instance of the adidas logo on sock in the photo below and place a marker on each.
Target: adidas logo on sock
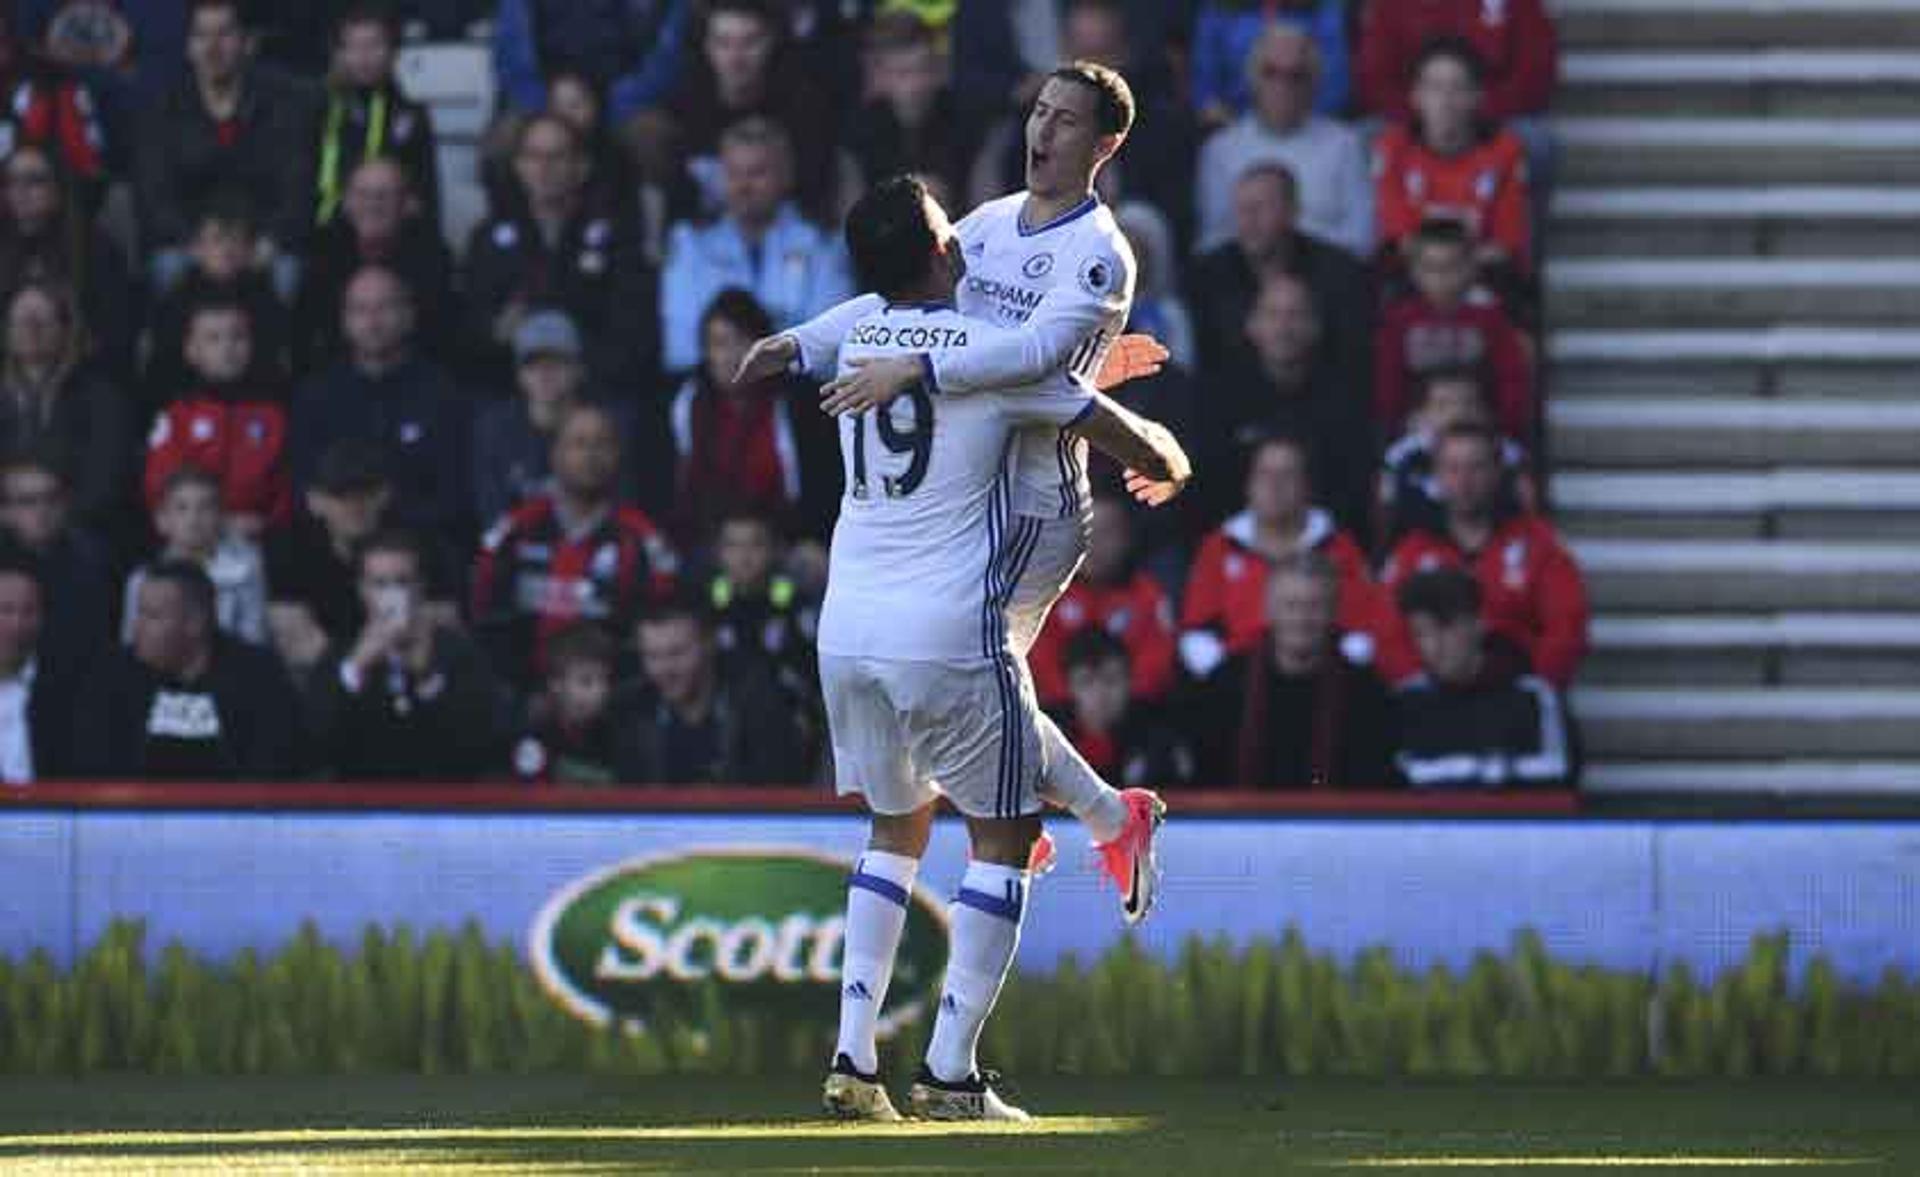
(950, 1003)
(859, 992)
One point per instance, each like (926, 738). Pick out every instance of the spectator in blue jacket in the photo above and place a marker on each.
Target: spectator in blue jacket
(629, 49)
(1224, 33)
(761, 244)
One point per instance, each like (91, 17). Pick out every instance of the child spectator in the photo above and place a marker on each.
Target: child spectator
(1225, 609)
(1449, 162)
(570, 740)
(756, 447)
(229, 422)
(188, 521)
(1471, 721)
(1514, 39)
(1448, 324)
(1409, 498)
(1532, 590)
(1122, 741)
(368, 117)
(1295, 711)
(222, 265)
(761, 617)
(1113, 595)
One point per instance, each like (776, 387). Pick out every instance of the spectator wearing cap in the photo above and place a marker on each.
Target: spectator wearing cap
(228, 125)
(762, 244)
(411, 698)
(1325, 157)
(1124, 740)
(513, 438)
(631, 51)
(553, 247)
(572, 553)
(384, 391)
(44, 712)
(1474, 719)
(755, 447)
(1112, 595)
(1224, 31)
(1294, 711)
(186, 702)
(690, 721)
(314, 605)
(1267, 239)
(1224, 610)
(382, 222)
(367, 116)
(74, 568)
(1530, 587)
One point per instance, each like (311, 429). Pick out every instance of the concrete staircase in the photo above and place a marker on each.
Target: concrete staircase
(1734, 343)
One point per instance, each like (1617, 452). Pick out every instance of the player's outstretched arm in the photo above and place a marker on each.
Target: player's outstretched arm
(1157, 467)
(814, 343)
(874, 382)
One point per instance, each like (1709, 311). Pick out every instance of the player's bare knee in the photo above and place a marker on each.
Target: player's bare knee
(1003, 841)
(905, 834)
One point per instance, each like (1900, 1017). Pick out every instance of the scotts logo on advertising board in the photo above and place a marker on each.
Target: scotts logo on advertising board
(766, 926)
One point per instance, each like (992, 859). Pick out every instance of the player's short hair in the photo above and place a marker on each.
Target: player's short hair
(1113, 98)
(1478, 431)
(392, 541)
(580, 643)
(368, 12)
(189, 475)
(1094, 647)
(890, 238)
(194, 584)
(740, 309)
(1278, 172)
(1446, 232)
(1452, 48)
(1444, 594)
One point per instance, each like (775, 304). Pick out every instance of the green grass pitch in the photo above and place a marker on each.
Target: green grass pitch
(1193, 1129)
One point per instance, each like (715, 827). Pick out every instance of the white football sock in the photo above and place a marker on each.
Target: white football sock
(877, 895)
(985, 930)
(1071, 782)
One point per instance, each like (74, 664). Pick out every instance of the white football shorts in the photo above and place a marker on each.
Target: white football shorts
(1049, 570)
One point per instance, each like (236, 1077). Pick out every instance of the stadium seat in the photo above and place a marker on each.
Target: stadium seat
(456, 81)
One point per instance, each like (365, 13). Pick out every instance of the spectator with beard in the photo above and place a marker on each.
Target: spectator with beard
(1326, 158)
(1123, 740)
(230, 421)
(1226, 279)
(1473, 719)
(367, 117)
(384, 391)
(1293, 711)
(556, 249)
(46, 236)
(189, 704)
(50, 396)
(381, 223)
(1531, 589)
(1112, 595)
(74, 569)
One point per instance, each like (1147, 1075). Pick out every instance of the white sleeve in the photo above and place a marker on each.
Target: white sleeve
(1064, 320)
(820, 337)
(1062, 402)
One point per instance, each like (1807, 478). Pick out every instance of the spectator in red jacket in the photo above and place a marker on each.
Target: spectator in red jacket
(1449, 324)
(229, 422)
(1449, 161)
(42, 104)
(1113, 595)
(573, 554)
(1225, 610)
(1533, 593)
(1514, 38)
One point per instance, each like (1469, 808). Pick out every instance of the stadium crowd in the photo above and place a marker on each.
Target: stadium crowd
(293, 486)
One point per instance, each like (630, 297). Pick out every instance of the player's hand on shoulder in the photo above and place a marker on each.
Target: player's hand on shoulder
(766, 358)
(1131, 357)
(870, 383)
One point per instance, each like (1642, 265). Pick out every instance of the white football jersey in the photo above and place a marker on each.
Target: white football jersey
(927, 548)
(1060, 293)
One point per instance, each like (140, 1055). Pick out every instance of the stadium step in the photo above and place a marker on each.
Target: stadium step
(1715, 290)
(1731, 432)
(1841, 777)
(1776, 220)
(1742, 81)
(1726, 24)
(1790, 361)
(1686, 722)
(1717, 575)
(1606, 149)
(1788, 649)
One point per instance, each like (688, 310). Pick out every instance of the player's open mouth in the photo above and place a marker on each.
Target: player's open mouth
(1035, 157)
